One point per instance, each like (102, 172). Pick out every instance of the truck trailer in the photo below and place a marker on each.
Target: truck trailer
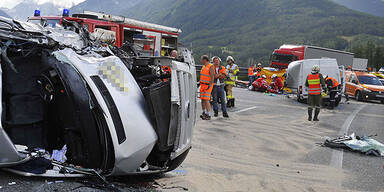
(286, 54)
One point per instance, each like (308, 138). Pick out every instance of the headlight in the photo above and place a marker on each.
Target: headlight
(367, 90)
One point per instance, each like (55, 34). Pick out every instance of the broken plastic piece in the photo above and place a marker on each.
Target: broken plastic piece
(59, 156)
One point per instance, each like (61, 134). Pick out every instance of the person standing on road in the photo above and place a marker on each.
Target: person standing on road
(251, 74)
(315, 84)
(207, 76)
(232, 71)
(218, 88)
(333, 87)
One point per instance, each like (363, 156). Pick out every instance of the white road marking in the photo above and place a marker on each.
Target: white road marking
(246, 109)
(337, 155)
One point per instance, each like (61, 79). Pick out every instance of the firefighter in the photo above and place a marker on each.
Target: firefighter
(258, 71)
(251, 74)
(315, 84)
(206, 85)
(276, 84)
(218, 88)
(333, 87)
(232, 71)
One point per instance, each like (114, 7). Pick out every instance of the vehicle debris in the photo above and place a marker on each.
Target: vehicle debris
(100, 109)
(363, 144)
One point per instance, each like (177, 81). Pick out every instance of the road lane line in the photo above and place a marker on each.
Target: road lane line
(246, 109)
(337, 155)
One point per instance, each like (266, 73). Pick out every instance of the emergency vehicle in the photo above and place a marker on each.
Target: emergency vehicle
(148, 39)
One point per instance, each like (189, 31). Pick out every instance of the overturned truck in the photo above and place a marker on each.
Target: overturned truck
(102, 110)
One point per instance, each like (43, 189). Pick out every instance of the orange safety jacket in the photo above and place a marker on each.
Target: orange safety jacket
(223, 71)
(334, 81)
(314, 84)
(205, 77)
(251, 71)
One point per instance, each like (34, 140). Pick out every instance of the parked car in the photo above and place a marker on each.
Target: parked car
(298, 71)
(364, 86)
(106, 109)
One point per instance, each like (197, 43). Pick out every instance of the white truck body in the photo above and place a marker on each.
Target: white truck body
(298, 71)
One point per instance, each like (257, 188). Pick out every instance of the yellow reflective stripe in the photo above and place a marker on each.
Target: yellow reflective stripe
(314, 81)
(205, 81)
(205, 75)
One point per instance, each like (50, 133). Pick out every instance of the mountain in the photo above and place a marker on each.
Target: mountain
(116, 7)
(27, 8)
(254, 28)
(3, 14)
(373, 7)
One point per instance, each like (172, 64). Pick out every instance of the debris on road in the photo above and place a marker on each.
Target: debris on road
(364, 144)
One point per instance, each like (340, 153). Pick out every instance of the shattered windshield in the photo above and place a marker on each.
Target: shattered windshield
(281, 58)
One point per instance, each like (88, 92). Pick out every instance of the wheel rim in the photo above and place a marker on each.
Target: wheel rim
(357, 95)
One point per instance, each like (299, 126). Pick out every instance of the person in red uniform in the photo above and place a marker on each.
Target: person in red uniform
(260, 84)
(276, 85)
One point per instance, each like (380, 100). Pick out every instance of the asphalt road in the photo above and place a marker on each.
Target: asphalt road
(363, 173)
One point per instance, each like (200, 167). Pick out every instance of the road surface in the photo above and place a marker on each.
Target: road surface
(266, 145)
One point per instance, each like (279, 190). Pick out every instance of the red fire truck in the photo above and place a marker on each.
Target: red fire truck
(286, 54)
(149, 39)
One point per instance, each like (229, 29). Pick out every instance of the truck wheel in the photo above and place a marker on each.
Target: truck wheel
(338, 101)
(172, 165)
(358, 96)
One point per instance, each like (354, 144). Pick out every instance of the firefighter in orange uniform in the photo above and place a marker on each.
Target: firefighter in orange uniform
(315, 84)
(251, 74)
(207, 76)
(333, 87)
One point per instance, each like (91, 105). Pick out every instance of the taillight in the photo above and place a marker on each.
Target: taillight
(301, 89)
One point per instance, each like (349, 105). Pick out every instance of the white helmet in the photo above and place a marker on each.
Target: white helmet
(263, 76)
(230, 58)
(274, 76)
(216, 57)
(315, 68)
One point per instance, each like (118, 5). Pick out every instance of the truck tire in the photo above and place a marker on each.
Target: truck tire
(358, 96)
(173, 164)
(338, 100)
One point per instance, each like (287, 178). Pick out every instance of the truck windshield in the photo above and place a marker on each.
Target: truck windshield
(282, 58)
(48, 22)
(368, 80)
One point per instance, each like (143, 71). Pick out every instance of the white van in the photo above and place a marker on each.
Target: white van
(298, 71)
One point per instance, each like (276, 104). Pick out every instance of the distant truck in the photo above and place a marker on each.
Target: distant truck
(286, 54)
(360, 64)
(298, 71)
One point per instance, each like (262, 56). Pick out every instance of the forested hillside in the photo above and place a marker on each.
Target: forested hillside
(373, 7)
(252, 29)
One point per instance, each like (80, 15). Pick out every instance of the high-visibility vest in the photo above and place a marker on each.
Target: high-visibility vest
(222, 70)
(232, 77)
(205, 76)
(314, 84)
(334, 81)
(251, 71)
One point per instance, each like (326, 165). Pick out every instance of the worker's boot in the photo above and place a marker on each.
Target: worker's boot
(310, 114)
(317, 111)
(216, 114)
(233, 102)
(225, 114)
(229, 103)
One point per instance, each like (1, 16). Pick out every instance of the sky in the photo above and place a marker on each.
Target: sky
(63, 3)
